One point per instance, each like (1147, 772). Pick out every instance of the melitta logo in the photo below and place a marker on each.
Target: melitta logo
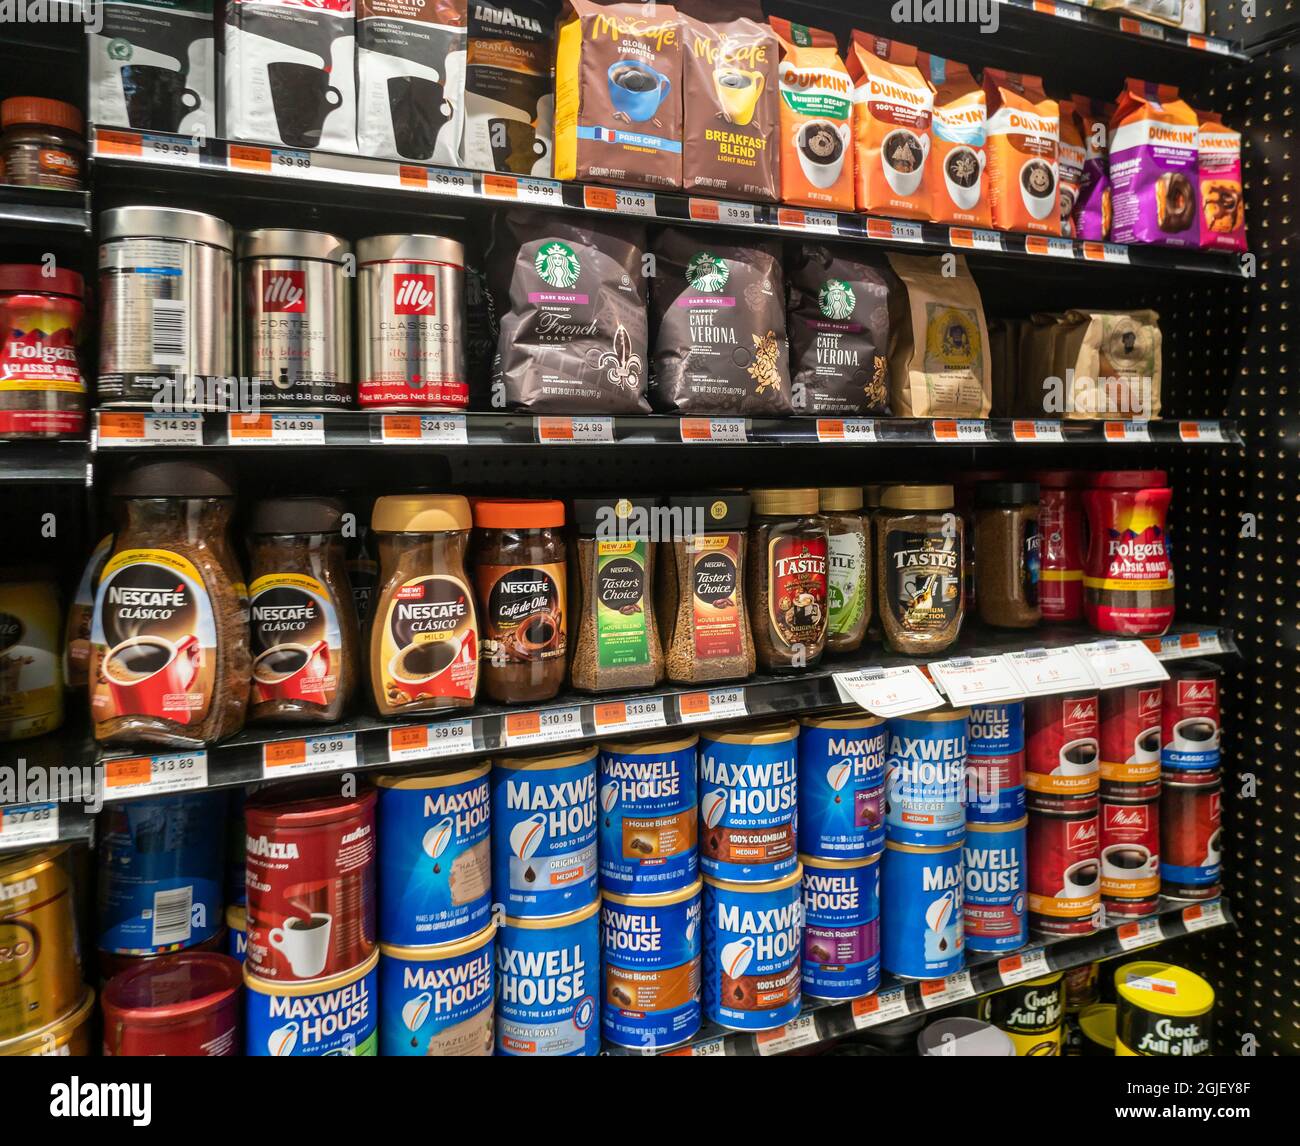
(1148, 703)
(836, 300)
(1193, 692)
(505, 18)
(284, 292)
(1118, 816)
(1081, 837)
(1079, 716)
(415, 294)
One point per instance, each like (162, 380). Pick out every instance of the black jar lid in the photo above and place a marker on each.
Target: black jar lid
(722, 512)
(178, 479)
(1006, 494)
(629, 518)
(287, 515)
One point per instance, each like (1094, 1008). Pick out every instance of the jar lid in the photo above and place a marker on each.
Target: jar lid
(994, 494)
(871, 495)
(1059, 479)
(785, 502)
(29, 277)
(1128, 479)
(421, 513)
(165, 223)
(159, 992)
(916, 497)
(175, 479)
(711, 512)
(297, 515)
(840, 497)
(1164, 989)
(42, 112)
(491, 513)
(625, 517)
(411, 249)
(282, 243)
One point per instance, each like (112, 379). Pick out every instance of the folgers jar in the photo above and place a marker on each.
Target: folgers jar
(918, 565)
(42, 390)
(787, 579)
(1061, 548)
(1128, 581)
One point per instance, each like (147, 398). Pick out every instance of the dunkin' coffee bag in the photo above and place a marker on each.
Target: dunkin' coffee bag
(719, 314)
(1223, 206)
(816, 129)
(411, 79)
(288, 71)
(957, 176)
(571, 297)
(1092, 210)
(1072, 155)
(841, 302)
(618, 94)
(1153, 167)
(1023, 138)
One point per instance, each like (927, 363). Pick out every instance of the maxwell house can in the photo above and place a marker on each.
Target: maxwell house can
(1030, 1014)
(994, 859)
(435, 865)
(337, 1015)
(236, 931)
(921, 919)
(1190, 718)
(752, 939)
(648, 816)
(995, 763)
(652, 967)
(925, 778)
(437, 1001)
(185, 1006)
(548, 976)
(842, 786)
(841, 927)
(544, 833)
(748, 802)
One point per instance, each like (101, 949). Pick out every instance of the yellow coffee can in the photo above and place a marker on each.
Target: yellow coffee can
(1162, 1011)
(1030, 1014)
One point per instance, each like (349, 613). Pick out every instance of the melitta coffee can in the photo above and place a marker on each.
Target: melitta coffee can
(1191, 838)
(753, 933)
(1130, 738)
(994, 862)
(336, 1015)
(925, 778)
(236, 931)
(995, 763)
(311, 884)
(1062, 746)
(1064, 879)
(842, 786)
(411, 323)
(435, 861)
(1030, 1014)
(188, 1005)
(1190, 725)
(748, 802)
(1130, 856)
(921, 910)
(295, 320)
(1162, 1011)
(841, 927)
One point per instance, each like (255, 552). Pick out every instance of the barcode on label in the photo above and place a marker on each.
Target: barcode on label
(167, 333)
(171, 916)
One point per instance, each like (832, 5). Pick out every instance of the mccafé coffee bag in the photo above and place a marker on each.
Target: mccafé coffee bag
(957, 174)
(1153, 167)
(1223, 206)
(618, 94)
(1023, 138)
(1092, 209)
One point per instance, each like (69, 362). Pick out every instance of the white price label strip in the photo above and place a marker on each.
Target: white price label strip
(977, 680)
(155, 775)
(1036, 431)
(1022, 967)
(629, 715)
(1120, 432)
(542, 727)
(713, 1048)
(1045, 671)
(1201, 916)
(1139, 933)
(1172, 646)
(276, 430)
(566, 431)
(1116, 663)
(802, 1032)
(425, 429)
(1201, 432)
(125, 430)
(715, 430)
(522, 189)
(882, 1007)
(950, 989)
(430, 741)
(975, 240)
(23, 825)
(719, 211)
(446, 181)
(965, 430)
(311, 754)
(846, 430)
(718, 704)
(888, 691)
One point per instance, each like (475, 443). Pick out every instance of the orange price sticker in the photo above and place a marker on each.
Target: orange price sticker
(880, 228)
(118, 143)
(1036, 245)
(1189, 640)
(244, 427)
(284, 754)
(555, 429)
(242, 158)
(402, 426)
(523, 724)
(945, 431)
(789, 217)
(931, 987)
(868, 1006)
(693, 703)
(500, 186)
(600, 198)
(408, 739)
(417, 178)
(120, 773)
(696, 430)
(609, 714)
(121, 425)
(704, 210)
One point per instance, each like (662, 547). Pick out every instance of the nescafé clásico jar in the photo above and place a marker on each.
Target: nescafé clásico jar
(919, 550)
(1128, 581)
(788, 583)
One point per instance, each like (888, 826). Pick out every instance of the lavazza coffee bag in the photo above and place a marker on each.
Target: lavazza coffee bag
(572, 301)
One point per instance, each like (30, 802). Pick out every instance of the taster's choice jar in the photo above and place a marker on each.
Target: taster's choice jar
(787, 580)
(42, 390)
(1007, 555)
(1128, 578)
(848, 568)
(918, 565)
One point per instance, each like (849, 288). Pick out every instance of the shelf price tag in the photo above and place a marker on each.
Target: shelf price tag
(426, 429)
(973, 240)
(965, 430)
(977, 680)
(122, 430)
(243, 157)
(1206, 44)
(522, 189)
(716, 704)
(1127, 431)
(1201, 916)
(1049, 246)
(22, 825)
(292, 163)
(1138, 933)
(431, 741)
(846, 430)
(1044, 671)
(801, 1032)
(449, 181)
(1200, 432)
(712, 1048)
(1114, 663)
(154, 775)
(1022, 966)
(118, 143)
(719, 211)
(629, 715)
(1036, 431)
(719, 431)
(824, 222)
(894, 231)
(328, 753)
(1114, 253)
(276, 429)
(565, 431)
(950, 989)
(543, 726)
(882, 1007)
(887, 692)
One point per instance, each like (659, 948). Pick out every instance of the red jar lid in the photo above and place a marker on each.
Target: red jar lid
(307, 810)
(1059, 479)
(29, 277)
(40, 112)
(1128, 479)
(160, 993)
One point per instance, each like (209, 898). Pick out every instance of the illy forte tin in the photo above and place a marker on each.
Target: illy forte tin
(995, 763)
(841, 927)
(1062, 746)
(411, 323)
(1191, 847)
(337, 1015)
(1064, 879)
(1162, 1011)
(186, 1006)
(925, 778)
(1130, 856)
(842, 786)
(1130, 738)
(1190, 725)
(311, 884)
(921, 906)
(994, 865)
(295, 318)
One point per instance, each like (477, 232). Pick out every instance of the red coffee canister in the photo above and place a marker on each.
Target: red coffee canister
(1061, 744)
(187, 1005)
(1190, 835)
(111, 964)
(1130, 856)
(1190, 725)
(311, 884)
(1130, 739)
(1064, 864)
(1060, 526)
(1128, 581)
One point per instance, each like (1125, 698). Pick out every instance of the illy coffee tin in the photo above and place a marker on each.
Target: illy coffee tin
(842, 786)
(841, 927)
(995, 763)
(186, 1006)
(1130, 738)
(1062, 748)
(66, 1037)
(994, 862)
(1191, 847)
(1130, 856)
(1064, 878)
(925, 778)
(1190, 724)
(295, 318)
(338, 1015)
(921, 909)
(1030, 1014)
(411, 323)
(1162, 1011)
(165, 297)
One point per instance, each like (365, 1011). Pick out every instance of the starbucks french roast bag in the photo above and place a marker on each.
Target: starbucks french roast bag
(816, 130)
(1153, 167)
(719, 317)
(618, 94)
(1023, 138)
(939, 367)
(572, 303)
(892, 107)
(1223, 206)
(288, 72)
(1092, 207)
(957, 174)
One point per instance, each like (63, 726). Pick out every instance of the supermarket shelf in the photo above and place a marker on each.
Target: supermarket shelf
(44, 462)
(1109, 23)
(823, 1022)
(47, 822)
(29, 212)
(171, 165)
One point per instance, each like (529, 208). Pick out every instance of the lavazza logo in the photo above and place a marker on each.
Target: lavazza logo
(284, 292)
(505, 18)
(415, 294)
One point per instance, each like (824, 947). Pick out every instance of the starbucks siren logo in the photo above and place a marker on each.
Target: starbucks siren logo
(707, 273)
(557, 264)
(836, 299)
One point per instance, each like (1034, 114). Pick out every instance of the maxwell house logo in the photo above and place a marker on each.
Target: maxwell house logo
(1080, 716)
(284, 292)
(414, 294)
(1197, 692)
(1081, 837)
(1118, 816)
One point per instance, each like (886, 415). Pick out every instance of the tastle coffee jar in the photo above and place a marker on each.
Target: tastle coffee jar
(1064, 860)
(787, 581)
(848, 568)
(1130, 856)
(918, 565)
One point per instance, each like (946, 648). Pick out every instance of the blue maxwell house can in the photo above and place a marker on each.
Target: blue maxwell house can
(921, 919)
(925, 778)
(842, 786)
(841, 927)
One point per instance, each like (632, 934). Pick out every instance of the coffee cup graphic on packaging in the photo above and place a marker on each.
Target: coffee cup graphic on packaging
(1078, 758)
(821, 147)
(961, 176)
(516, 146)
(143, 672)
(415, 669)
(418, 112)
(738, 92)
(302, 97)
(903, 155)
(1037, 188)
(292, 672)
(636, 90)
(1081, 880)
(1128, 861)
(305, 942)
(156, 97)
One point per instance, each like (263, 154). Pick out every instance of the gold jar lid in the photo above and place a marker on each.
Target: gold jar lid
(871, 495)
(784, 502)
(916, 497)
(839, 498)
(421, 513)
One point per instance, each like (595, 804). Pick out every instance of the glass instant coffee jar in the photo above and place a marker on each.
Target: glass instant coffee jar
(42, 391)
(41, 143)
(848, 568)
(918, 560)
(1007, 554)
(787, 579)
(31, 683)
(1060, 524)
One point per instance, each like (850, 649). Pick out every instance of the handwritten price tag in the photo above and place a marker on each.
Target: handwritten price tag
(1045, 671)
(334, 753)
(718, 704)
(569, 431)
(882, 1007)
(628, 715)
(276, 430)
(977, 680)
(431, 741)
(846, 430)
(888, 691)
(426, 429)
(543, 727)
(155, 775)
(714, 430)
(137, 431)
(1114, 663)
(22, 825)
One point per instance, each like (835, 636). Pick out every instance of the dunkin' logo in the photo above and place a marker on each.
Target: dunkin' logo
(1119, 816)
(1081, 837)
(1197, 692)
(284, 292)
(415, 294)
(1080, 716)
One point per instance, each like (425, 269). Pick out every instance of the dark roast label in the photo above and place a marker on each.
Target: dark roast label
(922, 579)
(524, 611)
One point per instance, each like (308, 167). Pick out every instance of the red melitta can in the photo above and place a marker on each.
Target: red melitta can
(185, 1006)
(1190, 723)
(1191, 837)
(1061, 744)
(1130, 737)
(1130, 856)
(1064, 864)
(1060, 526)
(310, 865)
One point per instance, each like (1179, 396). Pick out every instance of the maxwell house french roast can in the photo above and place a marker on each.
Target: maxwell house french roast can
(548, 980)
(544, 833)
(994, 862)
(334, 1016)
(435, 857)
(841, 927)
(995, 763)
(921, 901)
(648, 800)
(842, 786)
(925, 778)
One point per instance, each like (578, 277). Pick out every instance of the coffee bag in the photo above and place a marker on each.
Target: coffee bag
(618, 94)
(939, 367)
(1092, 207)
(841, 302)
(1153, 167)
(1072, 155)
(816, 129)
(1186, 14)
(572, 303)
(719, 313)
(957, 175)
(1223, 206)
(1023, 138)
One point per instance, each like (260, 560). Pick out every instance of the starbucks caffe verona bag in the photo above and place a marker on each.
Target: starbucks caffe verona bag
(1153, 167)
(1023, 139)
(939, 367)
(1223, 206)
(719, 312)
(957, 175)
(618, 94)
(1092, 211)
(572, 304)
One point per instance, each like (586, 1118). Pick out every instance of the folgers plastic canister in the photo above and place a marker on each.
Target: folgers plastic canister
(437, 1001)
(236, 931)
(67, 1036)
(1190, 725)
(842, 786)
(1128, 583)
(995, 763)
(1062, 746)
(1060, 524)
(435, 856)
(311, 885)
(1162, 1011)
(752, 938)
(548, 984)
(187, 1006)
(337, 1015)
(925, 778)
(651, 967)
(544, 833)
(1191, 847)
(648, 816)
(1064, 879)
(921, 906)
(1030, 1014)
(841, 927)
(1130, 739)
(1130, 856)
(994, 870)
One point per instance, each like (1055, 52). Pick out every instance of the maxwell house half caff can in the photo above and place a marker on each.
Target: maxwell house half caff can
(925, 778)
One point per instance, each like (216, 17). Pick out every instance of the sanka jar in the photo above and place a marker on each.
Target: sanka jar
(42, 391)
(1128, 579)
(787, 582)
